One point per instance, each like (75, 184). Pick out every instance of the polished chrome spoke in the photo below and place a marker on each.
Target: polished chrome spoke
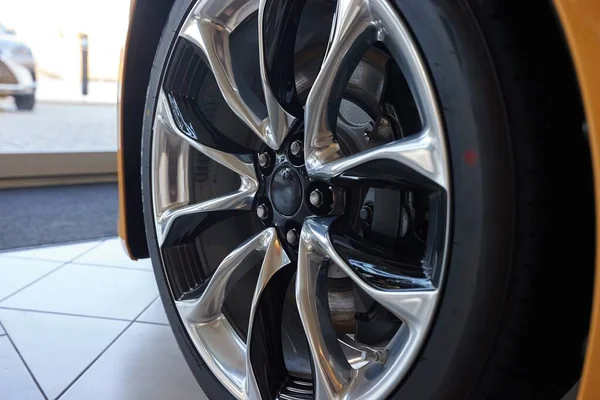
(208, 306)
(411, 306)
(359, 23)
(275, 259)
(352, 31)
(332, 374)
(280, 121)
(421, 156)
(209, 26)
(240, 164)
(220, 345)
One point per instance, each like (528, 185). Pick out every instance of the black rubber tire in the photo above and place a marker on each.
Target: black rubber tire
(25, 102)
(507, 102)
(495, 336)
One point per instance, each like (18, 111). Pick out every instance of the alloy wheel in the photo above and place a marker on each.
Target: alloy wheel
(347, 194)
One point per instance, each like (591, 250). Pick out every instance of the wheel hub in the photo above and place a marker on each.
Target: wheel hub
(286, 191)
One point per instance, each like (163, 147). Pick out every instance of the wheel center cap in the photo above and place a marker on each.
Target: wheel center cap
(286, 191)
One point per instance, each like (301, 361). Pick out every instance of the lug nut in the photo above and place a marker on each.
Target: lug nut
(366, 214)
(262, 211)
(316, 198)
(296, 148)
(292, 236)
(263, 160)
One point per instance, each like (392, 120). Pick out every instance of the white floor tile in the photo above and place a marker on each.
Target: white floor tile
(111, 253)
(15, 381)
(57, 348)
(143, 364)
(16, 273)
(63, 253)
(155, 313)
(88, 290)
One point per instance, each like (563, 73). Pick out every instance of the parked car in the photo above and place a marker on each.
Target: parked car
(17, 70)
(369, 199)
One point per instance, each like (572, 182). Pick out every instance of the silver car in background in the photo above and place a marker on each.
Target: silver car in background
(17, 70)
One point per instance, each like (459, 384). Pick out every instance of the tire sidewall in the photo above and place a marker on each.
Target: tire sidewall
(478, 263)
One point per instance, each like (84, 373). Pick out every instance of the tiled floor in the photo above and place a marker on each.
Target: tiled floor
(82, 321)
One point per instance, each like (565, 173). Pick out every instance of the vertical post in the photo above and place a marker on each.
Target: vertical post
(84, 64)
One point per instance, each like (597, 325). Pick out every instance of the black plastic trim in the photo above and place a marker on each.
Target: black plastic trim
(145, 28)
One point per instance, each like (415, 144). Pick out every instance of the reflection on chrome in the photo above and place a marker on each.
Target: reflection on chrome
(241, 164)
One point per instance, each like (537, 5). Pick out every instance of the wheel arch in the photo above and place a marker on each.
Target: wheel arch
(579, 22)
(146, 22)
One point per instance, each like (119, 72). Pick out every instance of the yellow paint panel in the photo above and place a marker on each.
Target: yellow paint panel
(581, 24)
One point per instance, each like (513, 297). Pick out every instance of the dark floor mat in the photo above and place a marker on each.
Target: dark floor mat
(58, 214)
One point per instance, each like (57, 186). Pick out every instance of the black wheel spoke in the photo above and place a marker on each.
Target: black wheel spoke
(280, 20)
(380, 266)
(265, 353)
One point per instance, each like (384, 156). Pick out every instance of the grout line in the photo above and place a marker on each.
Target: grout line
(148, 322)
(101, 353)
(45, 275)
(111, 266)
(32, 282)
(24, 363)
(151, 323)
(152, 302)
(88, 250)
(64, 313)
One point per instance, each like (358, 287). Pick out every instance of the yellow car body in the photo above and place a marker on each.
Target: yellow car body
(580, 20)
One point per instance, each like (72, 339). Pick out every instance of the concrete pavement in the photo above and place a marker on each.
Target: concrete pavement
(58, 127)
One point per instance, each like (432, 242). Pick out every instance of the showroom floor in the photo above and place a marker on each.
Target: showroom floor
(82, 321)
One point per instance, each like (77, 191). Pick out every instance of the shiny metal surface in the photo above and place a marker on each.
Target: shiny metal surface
(242, 199)
(361, 351)
(296, 147)
(352, 22)
(208, 26)
(347, 370)
(220, 346)
(332, 373)
(280, 121)
(334, 377)
(356, 22)
(261, 211)
(275, 259)
(316, 198)
(422, 154)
